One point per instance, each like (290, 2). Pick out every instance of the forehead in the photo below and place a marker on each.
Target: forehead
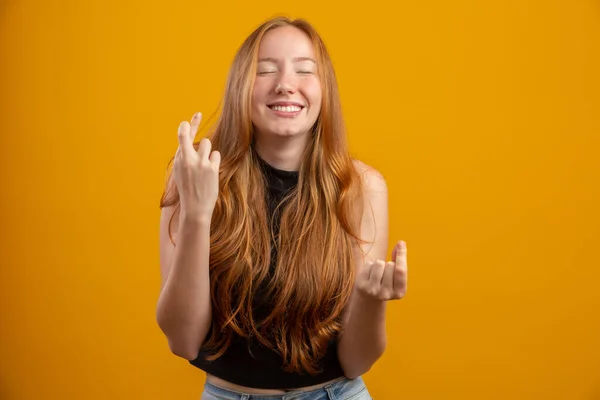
(285, 42)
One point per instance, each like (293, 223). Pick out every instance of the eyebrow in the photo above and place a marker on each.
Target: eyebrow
(296, 59)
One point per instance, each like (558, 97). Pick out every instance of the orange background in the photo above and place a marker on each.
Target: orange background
(483, 116)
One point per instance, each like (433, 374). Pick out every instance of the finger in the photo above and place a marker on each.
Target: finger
(400, 280)
(377, 273)
(194, 125)
(400, 253)
(177, 158)
(204, 148)
(387, 282)
(365, 271)
(215, 160)
(400, 271)
(185, 143)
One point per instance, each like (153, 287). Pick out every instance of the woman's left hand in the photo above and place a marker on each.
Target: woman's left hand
(380, 280)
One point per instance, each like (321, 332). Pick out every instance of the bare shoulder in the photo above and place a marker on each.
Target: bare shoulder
(373, 180)
(374, 218)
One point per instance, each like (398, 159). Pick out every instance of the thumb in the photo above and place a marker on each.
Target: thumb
(399, 250)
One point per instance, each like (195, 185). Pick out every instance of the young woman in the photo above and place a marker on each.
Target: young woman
(272, 238)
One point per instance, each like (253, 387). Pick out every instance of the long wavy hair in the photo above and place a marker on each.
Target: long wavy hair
(319, 227)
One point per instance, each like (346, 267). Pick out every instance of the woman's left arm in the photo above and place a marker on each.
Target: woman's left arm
(363, 339)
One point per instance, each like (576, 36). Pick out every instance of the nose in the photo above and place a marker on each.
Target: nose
(287, 82)
(284, 88)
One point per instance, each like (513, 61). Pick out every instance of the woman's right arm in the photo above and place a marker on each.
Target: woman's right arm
(184, 307)
(184, 310)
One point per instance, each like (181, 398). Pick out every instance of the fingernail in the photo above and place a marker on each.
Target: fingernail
(197, 115)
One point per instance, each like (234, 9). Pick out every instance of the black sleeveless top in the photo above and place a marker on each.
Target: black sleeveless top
(249, 363)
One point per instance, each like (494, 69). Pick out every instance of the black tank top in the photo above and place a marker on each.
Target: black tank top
(249, 363)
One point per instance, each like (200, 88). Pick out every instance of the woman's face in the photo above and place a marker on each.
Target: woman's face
(286, 98)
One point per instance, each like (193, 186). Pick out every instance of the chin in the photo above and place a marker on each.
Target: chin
(285, 133)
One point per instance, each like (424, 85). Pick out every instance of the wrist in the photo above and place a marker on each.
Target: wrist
(187, 218)
(367, 300)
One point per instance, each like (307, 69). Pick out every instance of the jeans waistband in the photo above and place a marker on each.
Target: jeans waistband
(341, 388)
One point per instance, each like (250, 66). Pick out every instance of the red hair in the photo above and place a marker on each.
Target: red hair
(320, 220)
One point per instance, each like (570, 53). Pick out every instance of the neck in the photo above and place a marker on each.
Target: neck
(283, 153)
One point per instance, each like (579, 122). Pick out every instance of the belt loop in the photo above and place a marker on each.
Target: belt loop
(330, 394)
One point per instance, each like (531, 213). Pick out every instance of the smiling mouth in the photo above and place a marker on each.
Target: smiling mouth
(286, 109)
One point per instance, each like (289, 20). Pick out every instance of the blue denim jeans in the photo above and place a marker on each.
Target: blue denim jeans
(341, 389)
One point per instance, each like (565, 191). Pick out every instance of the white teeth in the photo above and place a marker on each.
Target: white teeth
(286, 108)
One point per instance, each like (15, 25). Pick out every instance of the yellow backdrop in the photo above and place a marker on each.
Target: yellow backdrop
(483, 116)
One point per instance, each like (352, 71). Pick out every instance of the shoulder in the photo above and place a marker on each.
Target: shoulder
(374, 215)
(373, 181)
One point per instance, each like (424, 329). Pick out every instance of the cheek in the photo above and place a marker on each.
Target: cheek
(314, 94)
(257, 95)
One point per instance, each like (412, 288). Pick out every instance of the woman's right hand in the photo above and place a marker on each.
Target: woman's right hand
(196, 173)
